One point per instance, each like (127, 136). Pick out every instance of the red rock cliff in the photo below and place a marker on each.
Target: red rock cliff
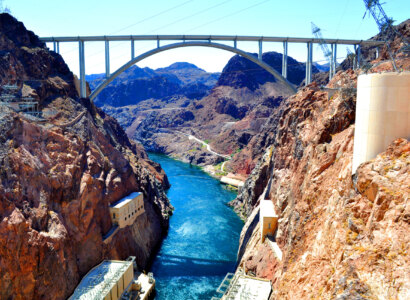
(341, 237)
(58, 177)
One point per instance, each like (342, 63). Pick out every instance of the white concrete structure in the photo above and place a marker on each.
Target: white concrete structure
(267, 218)
(232, 181)
(275, 248)
(382, 114)
(125, 211)
(241, 286)
(107, 281)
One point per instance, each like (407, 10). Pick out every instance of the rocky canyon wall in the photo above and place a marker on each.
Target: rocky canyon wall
(342, 237)
(58, 177)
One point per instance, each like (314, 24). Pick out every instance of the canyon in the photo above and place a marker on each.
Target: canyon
(227, 116)
(342, 236)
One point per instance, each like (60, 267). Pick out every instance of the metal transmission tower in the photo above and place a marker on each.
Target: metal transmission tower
(385, 25)
(330, 55)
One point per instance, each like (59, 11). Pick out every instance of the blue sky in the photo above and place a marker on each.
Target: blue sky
(337, 19)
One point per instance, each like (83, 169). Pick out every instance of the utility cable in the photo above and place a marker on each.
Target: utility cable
(143, 20)
(169, 24)
(229, 15)
(153, 16)
(190, 16)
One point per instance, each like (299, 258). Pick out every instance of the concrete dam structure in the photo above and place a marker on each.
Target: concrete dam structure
(382, 114)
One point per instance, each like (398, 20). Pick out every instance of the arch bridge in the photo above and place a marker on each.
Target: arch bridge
(213, 41)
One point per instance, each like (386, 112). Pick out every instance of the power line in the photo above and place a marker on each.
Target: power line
(141, 21)
(169, 24)
(229, 15)
(153, 16)
(190, 16)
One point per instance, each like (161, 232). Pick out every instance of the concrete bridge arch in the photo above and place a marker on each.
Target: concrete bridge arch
(235, 50)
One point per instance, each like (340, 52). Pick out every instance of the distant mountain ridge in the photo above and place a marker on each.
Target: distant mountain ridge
(138, 84)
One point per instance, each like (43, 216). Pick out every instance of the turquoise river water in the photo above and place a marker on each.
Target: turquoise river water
(203, 236)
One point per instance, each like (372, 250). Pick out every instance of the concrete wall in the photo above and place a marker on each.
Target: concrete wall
(122, 283)
(128, 276)
(382, 114)
(126, 214)
(266, 229)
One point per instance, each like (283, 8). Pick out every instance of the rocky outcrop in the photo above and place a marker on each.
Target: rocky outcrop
(240, 72)
(58, 177)
(341, 237)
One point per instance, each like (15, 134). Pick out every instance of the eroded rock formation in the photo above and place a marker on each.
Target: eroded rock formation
(342, 237)
(58, 177)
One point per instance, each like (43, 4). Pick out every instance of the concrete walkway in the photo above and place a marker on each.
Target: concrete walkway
(275, 248)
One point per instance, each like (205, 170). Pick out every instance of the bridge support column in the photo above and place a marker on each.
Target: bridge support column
(334, 59)
(158, 43)
(308, 78)
(359, 56)
(58, 47)
(355, 57)
(260, 50)
(54, 46)
(285, 60)
(377, 52)
(235, 44)
(331, 62)
(132, 49)
(83, 91)
(107, 58)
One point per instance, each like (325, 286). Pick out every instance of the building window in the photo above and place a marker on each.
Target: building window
(269, 225)
(113, 215)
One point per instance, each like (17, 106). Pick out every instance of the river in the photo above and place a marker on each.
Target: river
(203, 237)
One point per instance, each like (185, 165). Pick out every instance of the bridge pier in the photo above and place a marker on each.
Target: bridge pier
(107, 58)
(285, 60)
(132, 49)
(83, 90)
(334, 59)
(235, 44)
(158, 45)
(260, 50)
(358, 51)
(56, 46)
(332, 67)
(308, 78)
(355, 57)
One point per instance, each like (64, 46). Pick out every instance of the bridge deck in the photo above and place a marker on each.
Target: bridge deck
(206, 38)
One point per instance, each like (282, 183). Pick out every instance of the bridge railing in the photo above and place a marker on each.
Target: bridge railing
(207, 38)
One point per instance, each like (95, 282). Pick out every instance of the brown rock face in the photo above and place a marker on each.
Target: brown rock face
(341, 237)
(58, 177)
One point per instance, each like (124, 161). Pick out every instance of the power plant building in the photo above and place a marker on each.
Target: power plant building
(107, 281)
(125, 211)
